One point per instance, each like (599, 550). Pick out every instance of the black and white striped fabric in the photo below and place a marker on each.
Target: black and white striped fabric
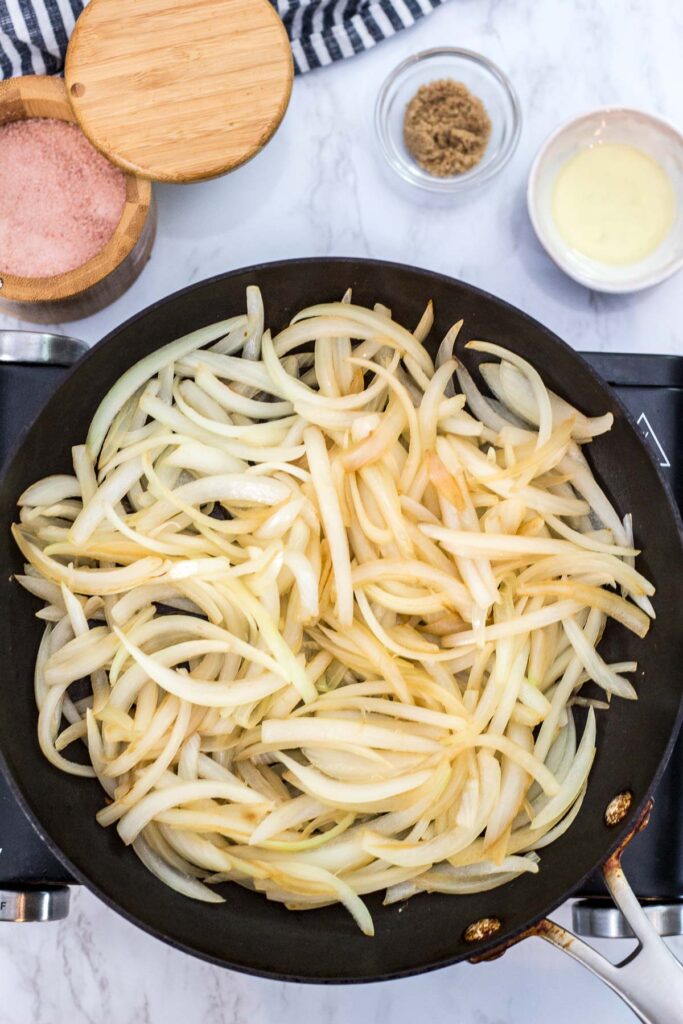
(323, 31)
(34, 33)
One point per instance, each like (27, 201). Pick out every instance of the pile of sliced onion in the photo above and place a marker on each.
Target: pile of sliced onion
(334, 609)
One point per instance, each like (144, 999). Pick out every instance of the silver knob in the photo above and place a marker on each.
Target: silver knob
(600, 919)
(40, 347)
(46, 903)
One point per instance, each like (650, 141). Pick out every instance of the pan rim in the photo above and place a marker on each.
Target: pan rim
(481, 949)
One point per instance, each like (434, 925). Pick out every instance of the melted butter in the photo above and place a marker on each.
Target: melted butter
(613, 203)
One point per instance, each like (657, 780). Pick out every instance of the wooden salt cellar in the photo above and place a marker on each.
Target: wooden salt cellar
(105, 277)
(169, 90)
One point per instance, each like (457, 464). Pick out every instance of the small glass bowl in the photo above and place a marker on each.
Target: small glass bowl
(483, 79)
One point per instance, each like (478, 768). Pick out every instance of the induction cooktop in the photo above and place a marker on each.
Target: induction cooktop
(34, 885)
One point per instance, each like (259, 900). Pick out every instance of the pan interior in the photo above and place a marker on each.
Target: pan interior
(248, 932)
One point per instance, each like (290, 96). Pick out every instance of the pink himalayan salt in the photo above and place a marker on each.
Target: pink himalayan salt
(60, 200)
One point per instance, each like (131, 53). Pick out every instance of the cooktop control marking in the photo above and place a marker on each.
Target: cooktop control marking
(648, 432)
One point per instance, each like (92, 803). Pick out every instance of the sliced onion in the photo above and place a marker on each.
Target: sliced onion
(334, 616)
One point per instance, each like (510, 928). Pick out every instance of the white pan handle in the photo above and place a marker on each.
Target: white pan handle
(649, 980)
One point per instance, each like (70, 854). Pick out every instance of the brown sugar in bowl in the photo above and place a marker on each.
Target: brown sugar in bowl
(103, 278)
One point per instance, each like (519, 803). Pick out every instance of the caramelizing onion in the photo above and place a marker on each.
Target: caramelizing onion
(335, 616)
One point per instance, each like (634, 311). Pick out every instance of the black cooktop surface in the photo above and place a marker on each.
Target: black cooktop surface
(652, 389)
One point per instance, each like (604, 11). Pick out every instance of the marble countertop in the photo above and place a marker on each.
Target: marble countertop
(320, 188)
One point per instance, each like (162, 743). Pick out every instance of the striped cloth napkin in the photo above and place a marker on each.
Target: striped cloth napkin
(34, 33)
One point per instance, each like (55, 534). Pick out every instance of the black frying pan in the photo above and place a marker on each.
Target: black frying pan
(248, 932)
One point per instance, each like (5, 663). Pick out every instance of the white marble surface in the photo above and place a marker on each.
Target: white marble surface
(320, 189)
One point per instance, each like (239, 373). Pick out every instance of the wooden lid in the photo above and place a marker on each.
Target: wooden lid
(179, 90)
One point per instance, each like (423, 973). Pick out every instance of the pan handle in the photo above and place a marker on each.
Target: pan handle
(650, 979)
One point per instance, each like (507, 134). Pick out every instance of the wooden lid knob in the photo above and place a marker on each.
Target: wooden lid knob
(179, 90)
